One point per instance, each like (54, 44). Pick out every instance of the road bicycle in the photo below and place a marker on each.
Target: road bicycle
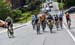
(10, 31)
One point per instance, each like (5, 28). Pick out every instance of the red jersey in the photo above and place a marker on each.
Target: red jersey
(68, 16)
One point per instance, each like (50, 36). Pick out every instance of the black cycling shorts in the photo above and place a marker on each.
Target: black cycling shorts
(56, 19)
(60, 19)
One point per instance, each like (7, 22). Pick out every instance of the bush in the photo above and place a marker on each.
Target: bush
(4, 10)
(16, 15)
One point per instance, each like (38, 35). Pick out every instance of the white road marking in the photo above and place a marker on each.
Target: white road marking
(72, 36)
(69, 32)
(3, 31)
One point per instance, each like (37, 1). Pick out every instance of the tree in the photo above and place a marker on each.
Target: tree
(4, 10)
(34, 5)
(68, 3)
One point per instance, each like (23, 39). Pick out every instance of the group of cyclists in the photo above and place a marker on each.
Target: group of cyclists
(43, 20)
(46, 19)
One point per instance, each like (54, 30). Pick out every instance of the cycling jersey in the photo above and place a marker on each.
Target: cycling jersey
(50, 18)
(68, 16)
(42, 18)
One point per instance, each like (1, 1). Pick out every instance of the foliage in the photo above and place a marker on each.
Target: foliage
(17, 14)
(4, 10)
(67, 3)
(34, 5)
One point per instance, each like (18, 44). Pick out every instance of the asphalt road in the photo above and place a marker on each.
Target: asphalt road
(26, 36)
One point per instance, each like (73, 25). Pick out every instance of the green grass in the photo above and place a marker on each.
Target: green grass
(25, 17)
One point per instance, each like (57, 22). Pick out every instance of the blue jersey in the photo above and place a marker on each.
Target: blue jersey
(61, 15)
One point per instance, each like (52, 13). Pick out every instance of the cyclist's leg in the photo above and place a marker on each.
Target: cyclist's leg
(61, 24)
(57, 25)
(33, 24)
(38, 28)
(43, 26)
(69, 24)
(8, 32)
(67, 20)
(12, 31)
(51, 27)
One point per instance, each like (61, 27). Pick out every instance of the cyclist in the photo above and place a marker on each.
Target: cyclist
(37, 23)
(56, 19)
(33, 21)
(43, 21)
(10, 27)
(61, 19)
(68, 19)
(50, 22)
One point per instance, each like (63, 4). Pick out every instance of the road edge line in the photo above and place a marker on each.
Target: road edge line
(69, 33)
